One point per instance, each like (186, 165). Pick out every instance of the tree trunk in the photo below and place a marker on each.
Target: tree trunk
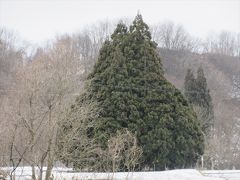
(50, 150)
(33, 173)
(49, 169)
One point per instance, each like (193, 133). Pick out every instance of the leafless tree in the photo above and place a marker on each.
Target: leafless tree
(75, 145)
(45, 87)
(174, 37)
(98, 33)
(224, 43)
(10, 58)
(124, 151)
(236, 87)
(222, 147)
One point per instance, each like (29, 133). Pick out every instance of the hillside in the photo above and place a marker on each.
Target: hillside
(219, 71)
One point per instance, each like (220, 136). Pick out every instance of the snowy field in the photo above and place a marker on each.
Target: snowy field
(24, 173)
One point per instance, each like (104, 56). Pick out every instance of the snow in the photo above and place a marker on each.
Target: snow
(23, 173)
(225, 174)
(187, 174)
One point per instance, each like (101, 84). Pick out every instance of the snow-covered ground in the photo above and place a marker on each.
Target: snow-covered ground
(23, 173)
(225, 174)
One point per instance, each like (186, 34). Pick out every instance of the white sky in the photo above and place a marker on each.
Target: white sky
(39, 20)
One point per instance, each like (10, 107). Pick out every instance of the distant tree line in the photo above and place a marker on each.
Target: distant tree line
(175, 37)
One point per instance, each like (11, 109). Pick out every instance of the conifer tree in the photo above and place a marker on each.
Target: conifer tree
(204, 100)
(189, 86)
(129, 85)
(198, 95)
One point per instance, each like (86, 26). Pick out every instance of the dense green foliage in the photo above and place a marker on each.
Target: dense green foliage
(198, 94)
(129, 85)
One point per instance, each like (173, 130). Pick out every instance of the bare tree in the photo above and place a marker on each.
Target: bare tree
(224, 43)
(222, 147)
(123, 151)
(10, 58)
(45, 87)
(236, 87)
(98, 33)
(174, 37)
(75, 145)
(63, 69)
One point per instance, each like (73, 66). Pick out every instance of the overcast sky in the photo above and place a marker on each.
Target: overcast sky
(39, 20)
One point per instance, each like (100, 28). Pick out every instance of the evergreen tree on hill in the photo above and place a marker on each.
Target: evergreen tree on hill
(189, 86)
(129, 85)
(198, 94)
(204, 101)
